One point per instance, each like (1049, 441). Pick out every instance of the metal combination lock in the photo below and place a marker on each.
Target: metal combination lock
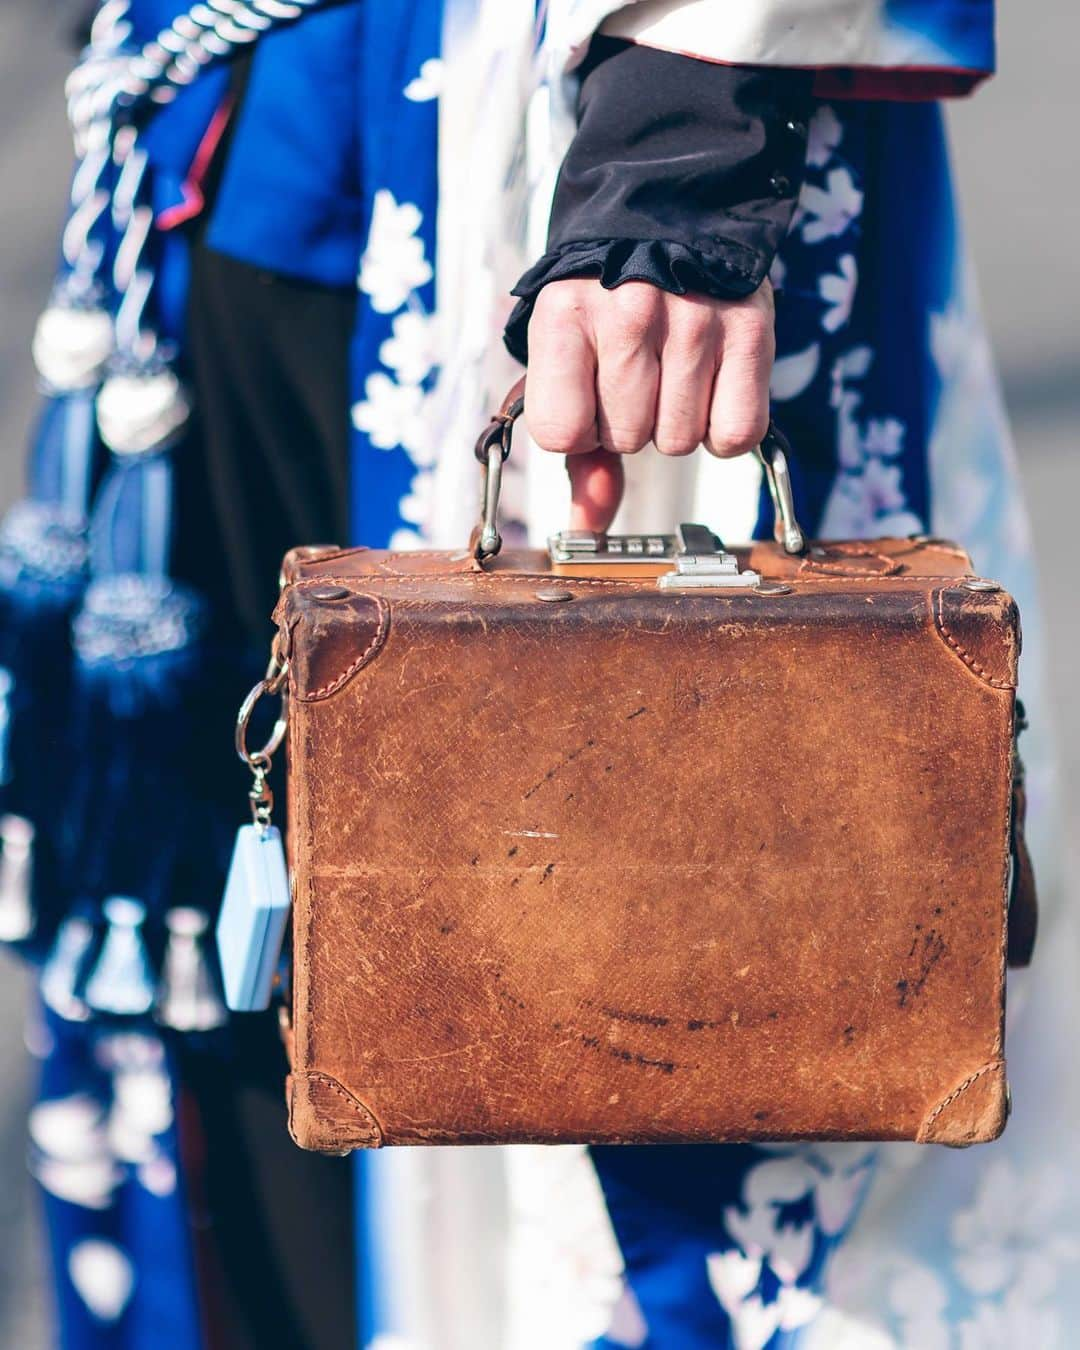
(691, 558)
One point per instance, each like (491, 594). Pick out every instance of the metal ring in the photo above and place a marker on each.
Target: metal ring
(259, 760)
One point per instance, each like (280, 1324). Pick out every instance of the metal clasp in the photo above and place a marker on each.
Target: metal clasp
(772, 454)
(260, 761)
(702, 562)
(493, 450)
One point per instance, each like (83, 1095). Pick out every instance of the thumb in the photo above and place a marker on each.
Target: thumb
(596, 489)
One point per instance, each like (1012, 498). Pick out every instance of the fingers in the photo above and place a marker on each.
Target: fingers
(629, 333)
(560, 387)
(619, 368)
(739, 413)
(596, 488)
(690, 356)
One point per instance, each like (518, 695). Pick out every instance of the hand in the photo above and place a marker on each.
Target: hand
(612, 370)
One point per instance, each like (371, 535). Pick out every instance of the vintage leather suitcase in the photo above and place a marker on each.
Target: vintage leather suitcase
(581, 851)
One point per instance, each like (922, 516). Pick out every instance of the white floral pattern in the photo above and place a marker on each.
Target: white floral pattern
(411, 352)
(830, 1179)
(824, 134)
(428, 84)
(390, 414)
(827, 212)
(103, 1277)
(839, 288)
(393, 265)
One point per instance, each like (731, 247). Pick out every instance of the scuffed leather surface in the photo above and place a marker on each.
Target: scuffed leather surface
(649, 866)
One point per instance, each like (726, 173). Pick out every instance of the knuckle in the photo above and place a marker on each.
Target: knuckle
(631, 321)
(623, 440)
(676, 444)
(560, 437)
(560, 300)
(695, 324)
(736, 433)
(627, 335)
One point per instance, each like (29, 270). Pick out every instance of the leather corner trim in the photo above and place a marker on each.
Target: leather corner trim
(326, 1117)
(981, 630)
(974, 1112)
(312, 658)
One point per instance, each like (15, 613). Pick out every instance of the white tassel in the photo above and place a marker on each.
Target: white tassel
(71, 346)
(188, 997)
(122, 982)
(138, 414)
(16, 875)
(62, 971)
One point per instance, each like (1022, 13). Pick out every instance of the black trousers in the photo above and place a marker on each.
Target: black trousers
(265, 468)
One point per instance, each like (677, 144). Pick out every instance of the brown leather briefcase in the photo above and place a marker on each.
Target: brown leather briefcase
(646, 840)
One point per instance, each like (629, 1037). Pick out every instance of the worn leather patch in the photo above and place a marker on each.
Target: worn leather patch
(849, 559)
(333, 633)
(982, 629)
(975, 1111)
(325, 1116)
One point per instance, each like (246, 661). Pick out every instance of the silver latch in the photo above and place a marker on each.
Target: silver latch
(698, 556)
(702, 562)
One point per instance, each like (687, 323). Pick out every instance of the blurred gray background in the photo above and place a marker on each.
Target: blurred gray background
(1017, 161)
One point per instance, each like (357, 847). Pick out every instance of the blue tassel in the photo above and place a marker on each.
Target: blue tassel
(43, 572)
(137, 668)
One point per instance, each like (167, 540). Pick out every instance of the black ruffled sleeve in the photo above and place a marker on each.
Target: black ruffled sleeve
(683, 173)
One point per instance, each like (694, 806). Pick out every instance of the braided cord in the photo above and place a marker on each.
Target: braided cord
(106, 93)
(210, 31)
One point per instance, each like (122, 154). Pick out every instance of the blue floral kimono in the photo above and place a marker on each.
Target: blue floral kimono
(883, 385)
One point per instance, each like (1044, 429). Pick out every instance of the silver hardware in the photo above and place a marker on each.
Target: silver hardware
(702, 563)
(272, 683)
(492, 450)
(554, 597)
(490, 541)
(772, 454)
(261, 761)
(328, 593)
(584, 548)
(979, 584)
(774, 588)
(700, 559)
(697, 539)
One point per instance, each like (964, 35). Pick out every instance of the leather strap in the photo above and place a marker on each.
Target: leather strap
(1023, 902)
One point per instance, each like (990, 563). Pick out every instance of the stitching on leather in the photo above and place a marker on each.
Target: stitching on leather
(558, 579)
(811, 565)
(369, 651)
(373, 1131)
(961, 651)
(946, 1102)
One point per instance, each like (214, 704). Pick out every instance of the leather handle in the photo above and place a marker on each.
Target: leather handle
(493, 449)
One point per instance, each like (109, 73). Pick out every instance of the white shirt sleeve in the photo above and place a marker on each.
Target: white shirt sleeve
(807, 33)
